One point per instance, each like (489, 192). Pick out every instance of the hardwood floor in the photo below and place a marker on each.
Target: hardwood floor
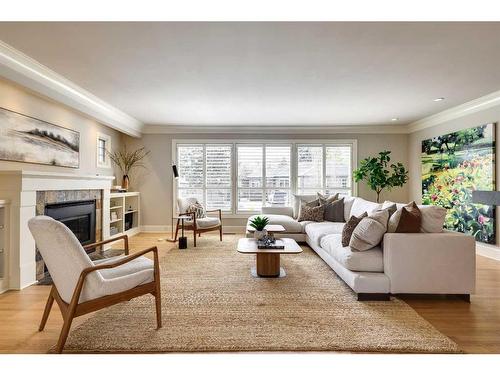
(475, 327)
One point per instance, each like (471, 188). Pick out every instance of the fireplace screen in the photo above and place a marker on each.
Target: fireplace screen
(78, 216)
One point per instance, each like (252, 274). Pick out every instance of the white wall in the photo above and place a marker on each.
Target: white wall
(415, 149)
(155, 183)
(18, 99)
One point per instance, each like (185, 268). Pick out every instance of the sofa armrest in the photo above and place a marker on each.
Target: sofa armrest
(287, 211)
(434, 263)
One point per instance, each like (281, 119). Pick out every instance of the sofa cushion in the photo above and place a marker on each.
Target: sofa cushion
(288, 222)
(314, 213)
(348, 202)
(324, 199)
(406, 219)
(362, 261)
(298, 199)
(334, 211)
(370, 231)
(316, 231)
(349, 227)
(361, 205)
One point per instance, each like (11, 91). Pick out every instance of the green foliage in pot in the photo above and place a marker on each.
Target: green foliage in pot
(379, 174)
(259, 223)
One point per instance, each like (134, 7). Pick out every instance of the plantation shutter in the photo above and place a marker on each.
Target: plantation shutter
(250, 177)
(278, 175)
(338, 169)
(218, 177)
(309, 169)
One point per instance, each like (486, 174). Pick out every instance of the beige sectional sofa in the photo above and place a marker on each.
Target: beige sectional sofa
(441, 262)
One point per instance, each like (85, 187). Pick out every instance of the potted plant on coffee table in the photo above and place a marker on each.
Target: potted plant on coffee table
(259, 223)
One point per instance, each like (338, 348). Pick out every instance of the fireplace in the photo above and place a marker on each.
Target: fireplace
(78, 216)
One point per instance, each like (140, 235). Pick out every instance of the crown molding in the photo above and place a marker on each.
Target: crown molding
(270, 129)
(22, 69)
(473, 106)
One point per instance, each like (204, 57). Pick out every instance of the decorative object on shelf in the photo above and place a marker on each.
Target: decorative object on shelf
(376, 172)
(259, 224)
(29, 140)
(455, 164)
(114, 216)
(128, 160)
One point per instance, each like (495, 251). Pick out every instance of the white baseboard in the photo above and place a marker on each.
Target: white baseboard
(488, 251)
(167, 228)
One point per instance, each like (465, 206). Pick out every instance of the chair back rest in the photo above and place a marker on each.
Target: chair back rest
(184, 203)
(62, 253)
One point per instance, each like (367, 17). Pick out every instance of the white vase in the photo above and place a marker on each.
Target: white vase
(259, 234)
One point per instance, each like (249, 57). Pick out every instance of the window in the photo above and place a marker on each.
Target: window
(264, 177)
(324, 168)
(103, 146)
(205, 174)
(242, 177)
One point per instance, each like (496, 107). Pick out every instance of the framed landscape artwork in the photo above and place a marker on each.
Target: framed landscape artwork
(455, 164)
(27, 139)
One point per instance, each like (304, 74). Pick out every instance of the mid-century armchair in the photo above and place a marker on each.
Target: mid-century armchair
(82, 286)
(198, 225)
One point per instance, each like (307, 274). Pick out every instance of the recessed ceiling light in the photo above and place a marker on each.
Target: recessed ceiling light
(394, 119)
(438, 99)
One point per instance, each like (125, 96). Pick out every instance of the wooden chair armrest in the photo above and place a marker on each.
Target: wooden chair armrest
(123, 237)
(217, 210)
(81, 280)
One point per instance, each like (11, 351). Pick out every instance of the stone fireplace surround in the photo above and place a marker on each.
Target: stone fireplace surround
(46, 197)
(20, 189)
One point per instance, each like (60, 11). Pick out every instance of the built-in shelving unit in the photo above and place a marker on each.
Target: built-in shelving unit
(124, 214)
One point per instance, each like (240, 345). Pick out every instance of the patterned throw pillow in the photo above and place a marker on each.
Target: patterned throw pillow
(308, 213)
(313, 203)
(324, 199)
(349, 227)
(198, 210)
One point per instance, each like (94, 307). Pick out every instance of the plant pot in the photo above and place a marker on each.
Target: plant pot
(259, 234)
(125, 182)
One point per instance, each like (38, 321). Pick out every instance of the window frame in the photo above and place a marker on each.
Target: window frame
(293, 143)
(107, 146)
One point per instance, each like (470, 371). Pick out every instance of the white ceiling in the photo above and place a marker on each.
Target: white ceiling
(270, 74)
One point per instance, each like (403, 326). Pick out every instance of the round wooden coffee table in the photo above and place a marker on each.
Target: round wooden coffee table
(268, 260)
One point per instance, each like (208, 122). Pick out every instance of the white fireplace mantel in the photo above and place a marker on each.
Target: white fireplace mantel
(19, 187)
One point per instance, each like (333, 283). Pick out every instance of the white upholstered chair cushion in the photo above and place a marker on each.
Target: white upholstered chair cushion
(66, 259)
(205, 222)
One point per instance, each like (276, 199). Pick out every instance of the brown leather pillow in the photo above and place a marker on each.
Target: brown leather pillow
(410, 220)
(349, 227)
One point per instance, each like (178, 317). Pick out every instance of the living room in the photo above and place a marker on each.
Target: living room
(249, 187)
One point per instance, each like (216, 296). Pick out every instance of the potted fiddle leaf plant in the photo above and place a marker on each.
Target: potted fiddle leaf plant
(127, 160)
(379, 175)
(259, 224)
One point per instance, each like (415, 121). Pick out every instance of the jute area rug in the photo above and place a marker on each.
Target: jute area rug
(211, 303)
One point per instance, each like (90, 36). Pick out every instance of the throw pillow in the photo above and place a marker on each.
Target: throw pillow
(432, 218)
(308, 213)
(412, 218)
(198, 210)
(390, 206)
(370, 231)
(313, 203)
(334, 211)
(324, 199)
(298, 199)
(349, 228)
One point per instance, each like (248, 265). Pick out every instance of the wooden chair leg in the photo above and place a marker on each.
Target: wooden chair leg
(46, 312)
(194, 237)
(176, 230)
(64, 332)
(220, 232)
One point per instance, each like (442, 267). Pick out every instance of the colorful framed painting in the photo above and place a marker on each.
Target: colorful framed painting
(29, 140)
(455, 164)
